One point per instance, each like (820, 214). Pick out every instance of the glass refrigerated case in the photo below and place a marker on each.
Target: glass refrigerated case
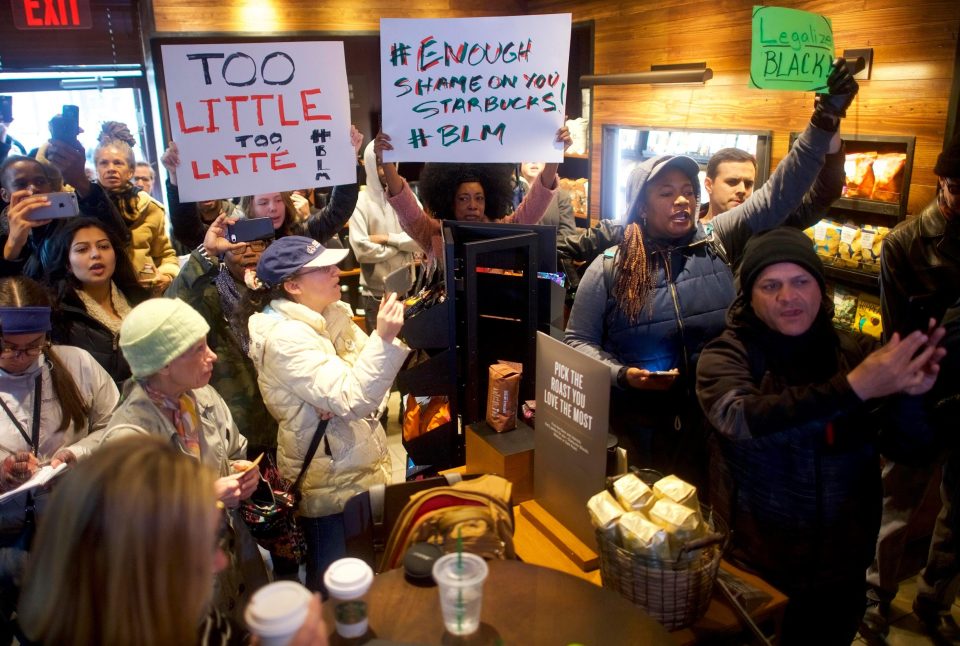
(623, 147)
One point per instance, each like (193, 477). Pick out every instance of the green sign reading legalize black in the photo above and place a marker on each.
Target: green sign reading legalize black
(792, 49)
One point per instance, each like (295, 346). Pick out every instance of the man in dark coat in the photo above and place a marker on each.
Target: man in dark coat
(795, 402)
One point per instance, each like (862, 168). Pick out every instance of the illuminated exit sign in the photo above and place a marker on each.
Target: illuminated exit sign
(51, 14)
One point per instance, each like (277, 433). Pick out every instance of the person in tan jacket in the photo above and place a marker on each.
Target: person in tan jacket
(150, 249)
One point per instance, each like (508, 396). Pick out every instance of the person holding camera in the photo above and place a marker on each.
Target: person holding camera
(25, 183)
(312, 363)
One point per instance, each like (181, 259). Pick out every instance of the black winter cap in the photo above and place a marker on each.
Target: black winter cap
(948, 163)
(783, 244)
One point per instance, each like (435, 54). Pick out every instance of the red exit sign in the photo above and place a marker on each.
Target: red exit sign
(51, 14)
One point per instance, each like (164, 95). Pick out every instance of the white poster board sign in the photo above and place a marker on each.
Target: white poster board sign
(474, 89)
(258, 117)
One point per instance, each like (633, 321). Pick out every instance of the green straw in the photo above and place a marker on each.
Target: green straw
(460, 548)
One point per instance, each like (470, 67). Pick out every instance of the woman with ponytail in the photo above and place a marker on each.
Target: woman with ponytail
(150, 250)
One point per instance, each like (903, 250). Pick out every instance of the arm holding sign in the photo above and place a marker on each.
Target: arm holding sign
(325, 223)
(783, 193)
(536, 201)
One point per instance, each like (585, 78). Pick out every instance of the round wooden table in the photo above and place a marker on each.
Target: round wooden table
(522, 604)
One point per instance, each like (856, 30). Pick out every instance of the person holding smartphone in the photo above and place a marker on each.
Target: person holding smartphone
(24, 183)
(802, 410)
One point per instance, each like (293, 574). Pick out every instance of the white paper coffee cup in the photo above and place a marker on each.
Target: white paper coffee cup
(348, 581)
(276, 611)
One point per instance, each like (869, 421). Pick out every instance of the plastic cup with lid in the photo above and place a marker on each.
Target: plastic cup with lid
(348, 581)
(276, 611)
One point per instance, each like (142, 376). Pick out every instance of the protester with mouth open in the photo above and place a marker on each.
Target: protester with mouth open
(648, 306)
(95, 286)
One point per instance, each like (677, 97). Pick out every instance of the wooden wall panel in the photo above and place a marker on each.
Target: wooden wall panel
(260, 16)
(914, 48)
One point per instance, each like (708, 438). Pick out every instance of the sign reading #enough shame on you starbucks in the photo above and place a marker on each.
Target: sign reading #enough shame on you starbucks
(474, 89)
(792, 50)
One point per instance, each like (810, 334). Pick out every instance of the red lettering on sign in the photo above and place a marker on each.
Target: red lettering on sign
(29, 9)
(308, 106)
(183, 126)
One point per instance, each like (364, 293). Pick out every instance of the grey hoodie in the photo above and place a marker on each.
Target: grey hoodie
(374, 215)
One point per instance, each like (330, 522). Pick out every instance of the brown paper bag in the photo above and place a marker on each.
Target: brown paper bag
(502, 391)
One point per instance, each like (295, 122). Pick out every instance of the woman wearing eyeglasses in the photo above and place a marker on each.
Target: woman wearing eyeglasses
(54, 400)
(95, 286)
(312, 361)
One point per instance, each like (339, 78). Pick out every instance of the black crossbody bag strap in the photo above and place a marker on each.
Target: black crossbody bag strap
(34, 438)
(311, 451)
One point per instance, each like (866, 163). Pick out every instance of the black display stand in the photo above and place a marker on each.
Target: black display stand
(495, 303)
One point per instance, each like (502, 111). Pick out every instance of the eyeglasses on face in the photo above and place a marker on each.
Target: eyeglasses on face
(8, 351)
(254, 245)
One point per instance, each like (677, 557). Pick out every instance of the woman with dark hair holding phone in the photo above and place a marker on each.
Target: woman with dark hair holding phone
(95, 287)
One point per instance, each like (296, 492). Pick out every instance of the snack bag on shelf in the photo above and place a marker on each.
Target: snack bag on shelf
(858, 168)
(849, 250)
(868, 315)
(888, 176)
(844, 307)
(871, 240)
(826, 240)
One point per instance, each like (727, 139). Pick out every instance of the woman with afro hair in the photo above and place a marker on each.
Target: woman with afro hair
(465, 192)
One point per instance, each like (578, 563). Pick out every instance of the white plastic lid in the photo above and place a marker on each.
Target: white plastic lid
(277, 607)
(348, 578)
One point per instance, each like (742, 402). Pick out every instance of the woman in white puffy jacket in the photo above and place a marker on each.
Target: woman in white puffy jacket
(314, 363)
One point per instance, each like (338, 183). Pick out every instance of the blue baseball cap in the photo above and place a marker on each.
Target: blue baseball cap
(290, 254)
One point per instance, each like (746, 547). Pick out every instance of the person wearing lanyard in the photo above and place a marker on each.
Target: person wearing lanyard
(55, 400)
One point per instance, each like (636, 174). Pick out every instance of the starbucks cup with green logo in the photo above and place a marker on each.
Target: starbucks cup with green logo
(348, 581)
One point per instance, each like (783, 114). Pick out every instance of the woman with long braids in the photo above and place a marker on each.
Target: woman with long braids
(647, 307)
(150, 250)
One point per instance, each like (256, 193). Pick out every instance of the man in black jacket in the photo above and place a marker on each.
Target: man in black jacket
(919, 280)
(794, 402)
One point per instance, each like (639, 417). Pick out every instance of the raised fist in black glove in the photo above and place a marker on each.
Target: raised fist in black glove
(829, 108)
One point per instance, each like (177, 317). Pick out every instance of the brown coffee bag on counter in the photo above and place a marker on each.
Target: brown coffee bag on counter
(676, 490)
(633, 493)
(502, 391)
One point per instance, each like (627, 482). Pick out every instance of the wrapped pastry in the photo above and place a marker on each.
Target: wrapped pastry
(858, 168)
(643, 537)
(633, 493)
(676, 490)
(888, 176)
(604, 511)
(682, 523)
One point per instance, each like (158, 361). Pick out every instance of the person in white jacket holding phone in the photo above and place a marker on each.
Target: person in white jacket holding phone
(314, 363)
